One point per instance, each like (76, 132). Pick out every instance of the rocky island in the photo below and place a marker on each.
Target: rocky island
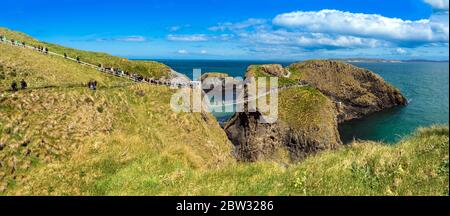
(320, 94)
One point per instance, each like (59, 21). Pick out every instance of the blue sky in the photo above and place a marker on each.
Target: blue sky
(239, 29)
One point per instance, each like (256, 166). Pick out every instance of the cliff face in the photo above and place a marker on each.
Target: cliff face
(274, 70)
(307, 124)
(309, 115)
(356, 91)
(220, 81)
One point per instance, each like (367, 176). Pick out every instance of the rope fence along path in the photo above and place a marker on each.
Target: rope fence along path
(131, 76)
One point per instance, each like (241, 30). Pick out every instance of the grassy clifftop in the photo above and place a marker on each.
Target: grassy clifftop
(59, 137)
(42, 71)
(357, 91)
(213, 75)
(145, 68)
(67, 141)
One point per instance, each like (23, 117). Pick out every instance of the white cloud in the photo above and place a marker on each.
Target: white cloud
(362, 25)
(123, 39)
(174, 28)
(182, 51)
(199, 37)
(178, 27)
(309, 40)
(439, 23)
(438, 4)
(188, 38)
(132, 39)
(203, 52)
(400, 51)
(239, 25)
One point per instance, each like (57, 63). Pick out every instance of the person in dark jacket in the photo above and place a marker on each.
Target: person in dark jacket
(92, 84)
(23, 84)
(14, 86)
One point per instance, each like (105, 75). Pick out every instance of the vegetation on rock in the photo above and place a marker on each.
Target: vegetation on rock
(357, 91)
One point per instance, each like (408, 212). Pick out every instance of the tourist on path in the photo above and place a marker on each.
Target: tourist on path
(14, 86)
(92, 84)
(23, 84)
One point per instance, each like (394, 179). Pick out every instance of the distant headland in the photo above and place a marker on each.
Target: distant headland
(350, 60)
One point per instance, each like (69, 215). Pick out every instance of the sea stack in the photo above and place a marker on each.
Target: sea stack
(316, 97)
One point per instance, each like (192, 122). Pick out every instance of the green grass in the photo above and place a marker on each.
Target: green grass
(42, 71)
(305, 106)
(136, 122)
(256, 71)
(145, 68)
(418, 165)
(213, 75)
(57, 118)
(343, 81)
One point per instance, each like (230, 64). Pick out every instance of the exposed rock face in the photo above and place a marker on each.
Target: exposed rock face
(220, 81)
(274, 70)
(356, 91)
(307, 124)
(309, 116)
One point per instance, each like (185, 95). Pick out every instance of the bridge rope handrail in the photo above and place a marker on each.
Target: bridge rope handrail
(254, 98)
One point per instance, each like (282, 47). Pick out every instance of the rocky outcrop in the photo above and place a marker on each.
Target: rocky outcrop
(218, 83)
(356, 91)
(309, 116)
(307, 124)
(274, 70)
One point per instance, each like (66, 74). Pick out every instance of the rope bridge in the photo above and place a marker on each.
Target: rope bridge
(138, 78)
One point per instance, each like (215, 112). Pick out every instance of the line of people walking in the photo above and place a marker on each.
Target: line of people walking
(23, 85)
(111, 70)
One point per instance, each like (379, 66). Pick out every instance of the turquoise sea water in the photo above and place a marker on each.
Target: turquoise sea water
(426, 85)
